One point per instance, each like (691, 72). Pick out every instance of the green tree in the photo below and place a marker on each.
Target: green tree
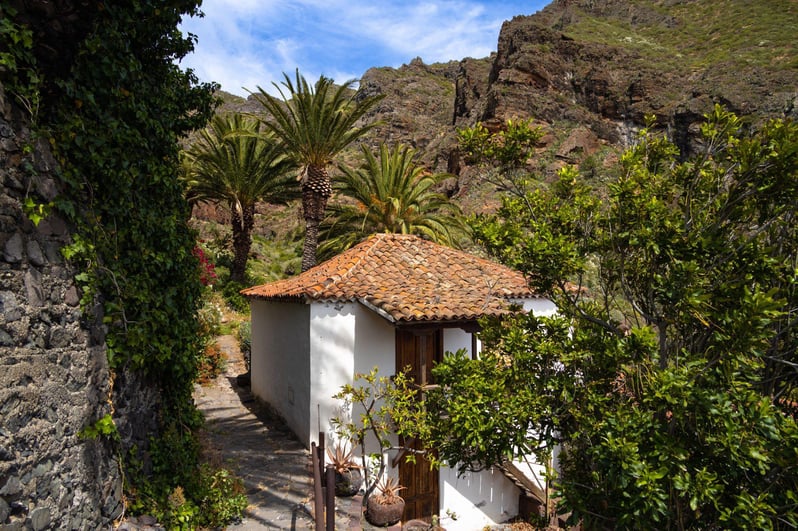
(390, 194)
(505, 152)
(235, 163)
(314, 125)
(668, 379)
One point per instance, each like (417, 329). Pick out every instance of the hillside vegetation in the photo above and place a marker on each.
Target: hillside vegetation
(588, 72)
(692, 36)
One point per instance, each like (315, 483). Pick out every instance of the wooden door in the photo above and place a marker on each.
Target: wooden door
(420, 350)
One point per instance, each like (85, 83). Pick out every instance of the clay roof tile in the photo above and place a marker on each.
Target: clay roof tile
(407, 278)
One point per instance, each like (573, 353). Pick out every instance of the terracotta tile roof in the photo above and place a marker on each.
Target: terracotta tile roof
(406, 278)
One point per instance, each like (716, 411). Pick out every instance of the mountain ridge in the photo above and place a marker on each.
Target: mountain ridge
(588, 72)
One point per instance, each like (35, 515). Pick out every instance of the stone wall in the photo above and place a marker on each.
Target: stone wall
(54, 376)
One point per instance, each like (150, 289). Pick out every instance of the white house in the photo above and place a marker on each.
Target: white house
(391, 301)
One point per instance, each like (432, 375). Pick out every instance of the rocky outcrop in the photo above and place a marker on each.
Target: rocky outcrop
(417, 109)
(541, 70)
(547, 66)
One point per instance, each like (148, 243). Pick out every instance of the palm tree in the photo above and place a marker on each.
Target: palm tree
(236, 163)
(392, 195)
(314, 125)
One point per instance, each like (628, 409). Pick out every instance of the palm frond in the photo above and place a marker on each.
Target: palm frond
(235, 162)
(389, 193)
(315, 123)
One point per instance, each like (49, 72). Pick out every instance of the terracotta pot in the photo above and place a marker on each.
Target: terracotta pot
(348, 483)
(380, 515)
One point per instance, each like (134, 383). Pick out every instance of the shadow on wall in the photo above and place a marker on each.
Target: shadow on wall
(477, 498)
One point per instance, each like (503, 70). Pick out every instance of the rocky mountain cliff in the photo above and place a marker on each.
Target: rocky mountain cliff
(606, 64)
(589, 71)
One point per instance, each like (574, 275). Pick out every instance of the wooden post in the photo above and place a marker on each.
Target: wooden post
(322, 459)
(318, 499)
(330, 498)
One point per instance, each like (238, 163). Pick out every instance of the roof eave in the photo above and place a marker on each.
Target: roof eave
(301, 298)
(376, 309)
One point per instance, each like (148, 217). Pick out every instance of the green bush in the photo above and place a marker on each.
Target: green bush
(222, 497)
(244, 335)
(203, 496)
(209, 316)
(230, 292)
(211, 363)
(181, 512)
(217, 500)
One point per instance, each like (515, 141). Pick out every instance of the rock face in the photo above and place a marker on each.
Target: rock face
(54, 375)
(540, 73)
(550, 66)
(602, 65)
(418, 108)
(54, 379)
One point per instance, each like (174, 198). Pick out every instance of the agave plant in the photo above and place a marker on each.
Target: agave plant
(388, 491)
(386, 507)
(342, 457)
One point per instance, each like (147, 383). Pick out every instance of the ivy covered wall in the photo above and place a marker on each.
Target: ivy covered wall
(54, 376)
(99, 284)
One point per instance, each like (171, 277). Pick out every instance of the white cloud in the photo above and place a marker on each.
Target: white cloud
(244, 43)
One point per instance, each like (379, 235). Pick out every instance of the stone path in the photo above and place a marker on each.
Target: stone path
(275, 467)
(259, 448)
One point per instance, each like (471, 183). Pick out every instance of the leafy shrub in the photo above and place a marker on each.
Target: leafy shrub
(219, 249)
(181, 512)
(197, 497)
(207, 270)
(222, 497)
(211, 363)
(209, 317)
(103, 427)
(244, 335)
(230, 292)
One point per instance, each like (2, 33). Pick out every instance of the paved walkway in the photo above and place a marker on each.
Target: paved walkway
(275, 467)
(259, 448)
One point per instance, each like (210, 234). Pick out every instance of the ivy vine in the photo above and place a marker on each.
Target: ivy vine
(113, 111)
(17, 62)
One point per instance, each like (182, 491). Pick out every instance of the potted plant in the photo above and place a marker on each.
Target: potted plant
(348, 478)
(374, 400)
(386, 507)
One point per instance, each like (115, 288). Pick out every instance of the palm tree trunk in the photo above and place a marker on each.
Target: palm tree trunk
(242, 241)
(311, 243)
(316, 190)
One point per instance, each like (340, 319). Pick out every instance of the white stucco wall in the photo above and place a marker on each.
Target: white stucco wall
(376, 343)
(345, 339)
(376, 347)
(456, 338)
(280, 365)
(478, 499)
(539, 307)
(332, 342)
(302, 354)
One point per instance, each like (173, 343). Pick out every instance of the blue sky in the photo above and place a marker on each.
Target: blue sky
(246, 43)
